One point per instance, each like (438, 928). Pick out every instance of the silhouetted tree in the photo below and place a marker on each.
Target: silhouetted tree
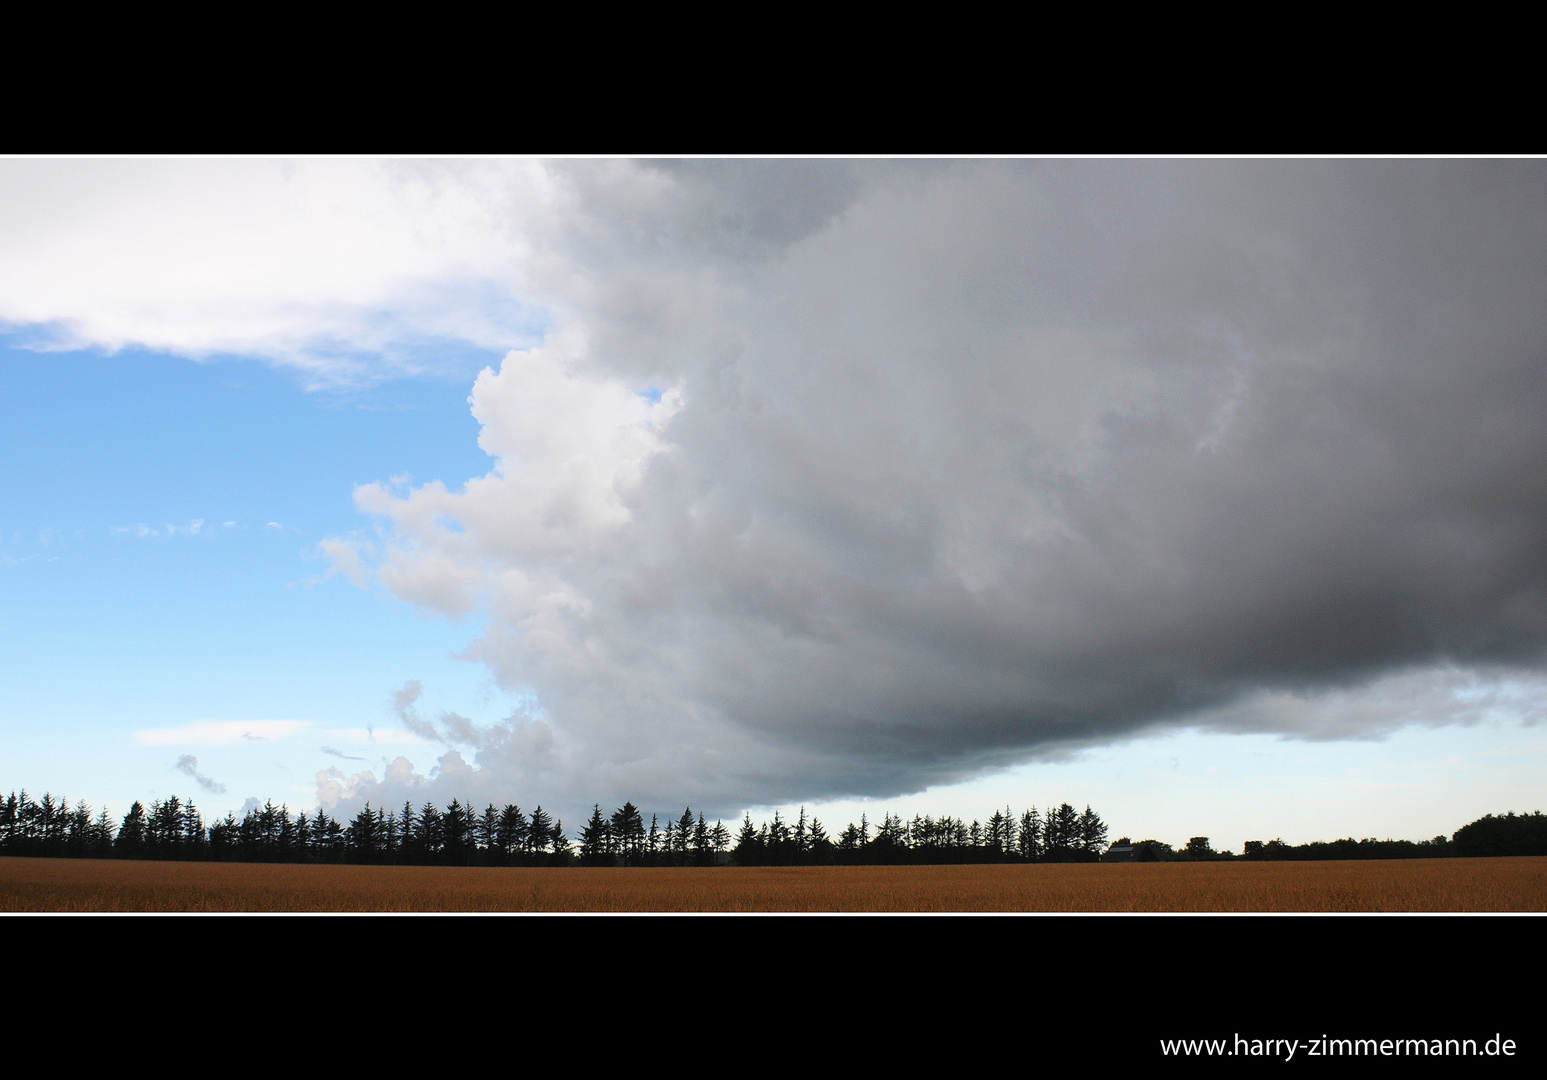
(513, 832)
(487, 834)
(562, 852)
(628, 834)
(1511, 834)
(1028, 839)
(130, 842)
(682, 836)
(539, 835)
(1093, 831)
(363, 837)
(596, 840)
(749, 849)
(456, 834)
(819, 849)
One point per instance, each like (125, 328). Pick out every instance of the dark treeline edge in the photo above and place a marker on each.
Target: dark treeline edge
(461, 836)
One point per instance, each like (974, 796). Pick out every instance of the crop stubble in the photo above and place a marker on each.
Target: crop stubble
(1511, 884)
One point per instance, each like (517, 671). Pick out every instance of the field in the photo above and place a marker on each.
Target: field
(1518, 884)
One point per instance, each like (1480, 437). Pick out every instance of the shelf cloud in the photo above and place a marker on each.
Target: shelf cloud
(841, 478)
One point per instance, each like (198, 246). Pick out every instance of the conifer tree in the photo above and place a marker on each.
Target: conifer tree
(223, 839)
(684, 834)
(391, 838)
(194, 839)
(456, 833)
(539, 834)
(102, 835)
(408, 833)
(749, 848)
(298, 840)
(1061, 831)
(820, 848)
(628, 833)
(8, 824)
(488, 834)
(130, 842)
(429, 836)
(595, 842)
(513, 832)
(362, 836)
(1029, 840)
(1093, 831)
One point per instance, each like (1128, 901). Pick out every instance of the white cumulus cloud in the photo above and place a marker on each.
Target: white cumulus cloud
(334, 266)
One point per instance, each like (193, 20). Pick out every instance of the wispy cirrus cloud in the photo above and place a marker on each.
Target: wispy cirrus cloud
(220, 732)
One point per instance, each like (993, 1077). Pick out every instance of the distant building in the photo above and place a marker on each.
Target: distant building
(1143, 851)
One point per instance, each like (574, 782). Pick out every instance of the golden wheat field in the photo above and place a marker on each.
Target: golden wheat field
(1514, 884)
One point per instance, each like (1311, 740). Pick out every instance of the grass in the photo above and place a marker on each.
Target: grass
(1428, 885)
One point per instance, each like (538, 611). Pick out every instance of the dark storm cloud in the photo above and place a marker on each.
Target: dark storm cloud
(979, 461)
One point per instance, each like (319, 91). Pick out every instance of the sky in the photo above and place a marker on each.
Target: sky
(1205, 492)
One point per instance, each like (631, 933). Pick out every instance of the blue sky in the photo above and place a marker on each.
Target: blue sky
(920, 487)
(161, 522)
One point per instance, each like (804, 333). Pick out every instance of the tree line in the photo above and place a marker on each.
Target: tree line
(1061, 834)
(174, 829)
(1490, 835)
(621, 839)
(459, 835)
(509, 836)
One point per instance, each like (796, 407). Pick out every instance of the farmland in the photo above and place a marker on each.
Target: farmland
(1417, 885)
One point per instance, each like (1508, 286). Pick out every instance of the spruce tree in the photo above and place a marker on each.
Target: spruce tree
(488, 834)
(456, 833)
(539, 834)
(628, 833)
(1029, 841)
(594, 842)
(820, 848)
(408, 834)
(130, 842)
(748, 850)
(684, 836)
(561, 846)
(513, 833)
(1093, 831)
(429, 833)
